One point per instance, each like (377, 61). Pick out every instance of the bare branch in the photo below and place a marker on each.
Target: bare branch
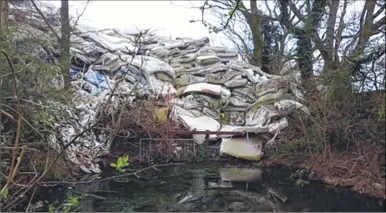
(81, 14)
(45, 19)
(231, 14)
(379, 12)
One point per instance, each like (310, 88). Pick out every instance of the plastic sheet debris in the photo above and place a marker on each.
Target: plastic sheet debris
(202, 123)
(242, 148)
(97, 79)
(209, 89)
(75, 74)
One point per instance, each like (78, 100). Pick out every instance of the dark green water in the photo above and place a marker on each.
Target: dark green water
(215, 188)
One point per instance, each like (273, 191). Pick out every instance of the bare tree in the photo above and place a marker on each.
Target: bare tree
(335, 43)
(327, 31)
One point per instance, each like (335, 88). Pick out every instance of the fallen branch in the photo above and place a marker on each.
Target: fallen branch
(112, 177)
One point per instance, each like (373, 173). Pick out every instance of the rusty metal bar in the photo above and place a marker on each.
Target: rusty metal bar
(165, 139)
(189, 132)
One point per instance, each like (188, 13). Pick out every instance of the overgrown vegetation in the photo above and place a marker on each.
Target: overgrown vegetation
(343, 140)
(339, 51)
(32, 100)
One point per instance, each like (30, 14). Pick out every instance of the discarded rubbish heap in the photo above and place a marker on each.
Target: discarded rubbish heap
(208, 88)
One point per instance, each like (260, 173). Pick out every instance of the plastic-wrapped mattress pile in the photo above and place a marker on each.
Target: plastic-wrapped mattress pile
(212, 90)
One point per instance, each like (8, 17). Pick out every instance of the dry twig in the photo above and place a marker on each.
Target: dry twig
(18, 130)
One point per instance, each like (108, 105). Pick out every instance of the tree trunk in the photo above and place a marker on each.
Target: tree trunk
(65, 43)
(3, 33)
(267, 49)
(3, 17)
(3, 11)
(256, 34)
(304, 54)
(329, 62)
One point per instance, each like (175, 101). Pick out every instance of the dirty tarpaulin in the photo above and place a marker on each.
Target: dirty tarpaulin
(212, 89)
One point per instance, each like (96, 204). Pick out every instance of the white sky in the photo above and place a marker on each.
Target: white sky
(167, 17)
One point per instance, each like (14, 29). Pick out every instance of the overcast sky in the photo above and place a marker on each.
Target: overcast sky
(167, 17)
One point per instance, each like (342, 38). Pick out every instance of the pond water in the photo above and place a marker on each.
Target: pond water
(214, 187)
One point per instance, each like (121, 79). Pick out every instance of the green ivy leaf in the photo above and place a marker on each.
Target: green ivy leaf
(121, 162)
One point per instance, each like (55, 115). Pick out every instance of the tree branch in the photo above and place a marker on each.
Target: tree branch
(331, 27)
(231, 14)
(81, 14)
(45, 19)
(339, 37)
(382, 9)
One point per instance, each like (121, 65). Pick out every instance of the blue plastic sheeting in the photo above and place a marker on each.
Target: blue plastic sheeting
(97, 79)
(97, 82)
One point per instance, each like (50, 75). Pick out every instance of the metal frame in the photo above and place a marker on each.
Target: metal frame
(189, 132)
